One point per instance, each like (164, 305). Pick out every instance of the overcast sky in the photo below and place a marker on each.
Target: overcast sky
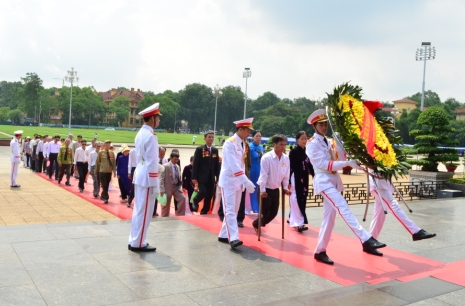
(294, 48)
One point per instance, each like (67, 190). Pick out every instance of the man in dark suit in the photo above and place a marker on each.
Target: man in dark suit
(205, 172)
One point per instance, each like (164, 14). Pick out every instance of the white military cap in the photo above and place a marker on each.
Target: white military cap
(151, 111)
(244, 123)
(18, 132)
(317, 116)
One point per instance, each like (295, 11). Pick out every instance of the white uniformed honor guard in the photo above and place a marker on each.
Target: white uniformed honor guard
(386, 189)
(15, 158)
(233, 180)
(146, 184)
(328, 184)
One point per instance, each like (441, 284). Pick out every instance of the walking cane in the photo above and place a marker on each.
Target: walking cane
(402, 198)
(282, 210)
(368, 199)
(259, 215)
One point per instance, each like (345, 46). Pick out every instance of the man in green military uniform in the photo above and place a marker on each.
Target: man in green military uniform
(104, 167)
(65, 159)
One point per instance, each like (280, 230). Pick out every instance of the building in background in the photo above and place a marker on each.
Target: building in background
(406, 104)
(135, 96)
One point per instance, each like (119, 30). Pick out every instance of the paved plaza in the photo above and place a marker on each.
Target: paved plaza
(58, 249)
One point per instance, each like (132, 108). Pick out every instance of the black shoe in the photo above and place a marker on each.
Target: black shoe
(372, 244)
(240, 224)
(235, 243)
(128, 204)
(67, 184)
(129, 246)
(146, 248)
(221, 218)
(15, 186)
(322, 257)
(224, 240)
(106, 202)
(59, 182)
(302, 228)
(81, 190)
(422, 234)
(49, 177)
(373, 252)
(95, 195)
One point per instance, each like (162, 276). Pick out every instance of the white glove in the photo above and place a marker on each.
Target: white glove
(154, 191)
(249, 186)
(354, 164)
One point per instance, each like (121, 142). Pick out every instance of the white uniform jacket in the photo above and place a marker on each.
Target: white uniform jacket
(232, 175)
(382, 185)
(146, 142)
(15, 155)
(324, 160)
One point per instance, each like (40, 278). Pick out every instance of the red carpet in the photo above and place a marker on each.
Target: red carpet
(114, 206)
(351, 264)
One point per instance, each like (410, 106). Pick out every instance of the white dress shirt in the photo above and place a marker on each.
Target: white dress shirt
(92, 158)
(32, 143)
(46, 149)
(40, 147)
(80, 156)
(273, 171)
(132, 160)
(53, 148)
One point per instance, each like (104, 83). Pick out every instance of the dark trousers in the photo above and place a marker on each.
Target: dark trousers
(240, 213)
(270, 206)
(131, 193)
(105, 179)
(95, 180)
(82, 170)
(206, 193)
(39, 162)
(28, 160)
(64, 168)
(53, 159)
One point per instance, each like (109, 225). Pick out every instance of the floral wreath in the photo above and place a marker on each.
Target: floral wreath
(367, 136)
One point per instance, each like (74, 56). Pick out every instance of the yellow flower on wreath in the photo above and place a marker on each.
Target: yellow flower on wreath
(383, 150)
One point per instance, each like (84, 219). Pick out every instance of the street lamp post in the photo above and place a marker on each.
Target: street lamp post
(246, 74)
(71, 77)
(174, 128)
(217, 93)
(428, 53)
(395, 112)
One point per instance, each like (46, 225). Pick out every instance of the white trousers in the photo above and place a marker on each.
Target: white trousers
(13, 173)
(231, 203)
(296, 219)
(334, 202)
(379, 216)
(142, 213)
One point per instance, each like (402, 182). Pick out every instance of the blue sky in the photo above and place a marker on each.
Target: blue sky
(294, 48)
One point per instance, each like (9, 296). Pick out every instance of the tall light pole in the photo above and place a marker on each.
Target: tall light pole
(174, 129)
(217, 93)
(427, 53)
(71, 77)
(395, 112)
(246, 74)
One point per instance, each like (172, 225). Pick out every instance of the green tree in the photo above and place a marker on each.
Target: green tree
(32, 88)
(197, 106)
(9, 94)
(264, 101)
(4, 113)
(432, 134)
(431, 98)
(15, 116)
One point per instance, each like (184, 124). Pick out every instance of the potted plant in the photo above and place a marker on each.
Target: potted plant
(451, 166)
(433, 143)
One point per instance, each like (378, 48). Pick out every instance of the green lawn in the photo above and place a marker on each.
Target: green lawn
(88, 134)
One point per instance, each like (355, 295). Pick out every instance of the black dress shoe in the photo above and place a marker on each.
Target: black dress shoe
(129, 246)
(67, 184)
(373, 252)
(235, 243)
(302, 228)
(372, 244)
(240, 224)
(422, 234)
(15, 186)
(106, 202)
(322, 257)
(146, 248)
(224, 240)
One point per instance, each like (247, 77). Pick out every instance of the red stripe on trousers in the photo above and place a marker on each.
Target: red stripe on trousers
(145, 216)
(224, 211)
(341, 215)
(390, 208)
